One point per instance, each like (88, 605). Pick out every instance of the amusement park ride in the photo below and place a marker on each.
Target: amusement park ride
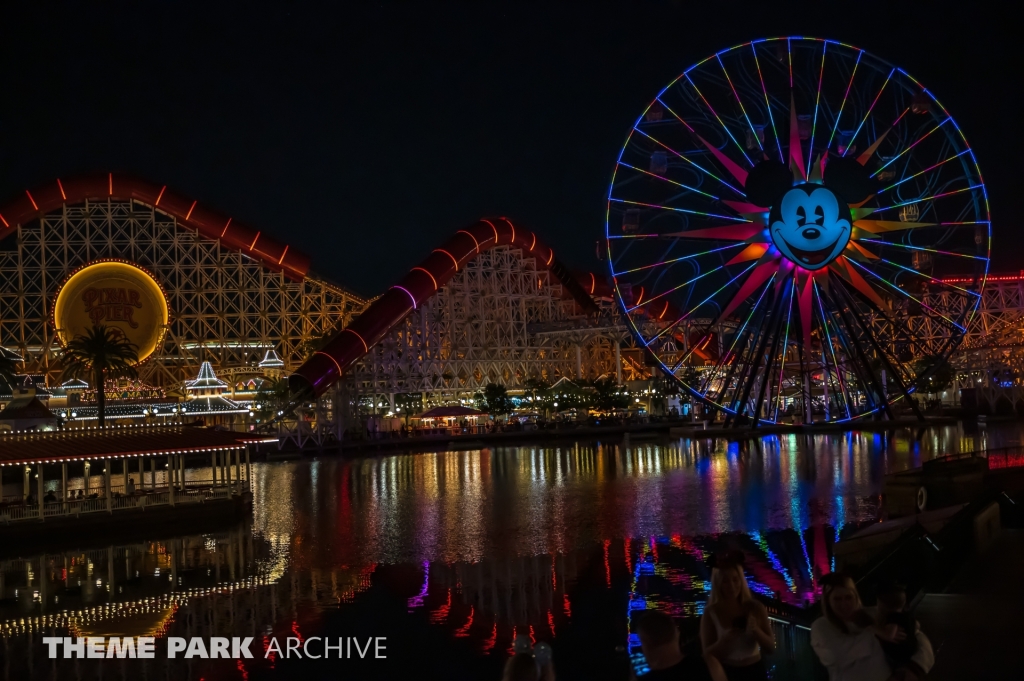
(791, 223)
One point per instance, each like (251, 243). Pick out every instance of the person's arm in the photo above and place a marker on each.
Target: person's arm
(709, 639)
(761, 628)
(925, 655)
(715, 668)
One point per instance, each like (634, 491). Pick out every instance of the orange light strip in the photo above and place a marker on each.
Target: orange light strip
(509, 223)
(428, 274)
(253, 244)
(593, 283)
(441, 250)
(191, 208)
(160, 195)
(31, 199)
(664, 310)
(366, 348)
(495, 230)
(550, 258)
(61, 187)
(3, 220)
(338, 366)
(534, 242)
(110, 183)
(283, 253)
(225, 230)
(462, 231)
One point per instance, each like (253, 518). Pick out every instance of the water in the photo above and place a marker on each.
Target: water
(450, 555)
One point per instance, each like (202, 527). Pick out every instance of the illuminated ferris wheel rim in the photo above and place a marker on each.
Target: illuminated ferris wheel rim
(730, 167)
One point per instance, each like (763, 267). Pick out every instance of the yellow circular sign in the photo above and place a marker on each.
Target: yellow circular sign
(115, 294)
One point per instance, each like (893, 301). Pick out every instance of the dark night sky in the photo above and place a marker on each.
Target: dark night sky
(365, 134)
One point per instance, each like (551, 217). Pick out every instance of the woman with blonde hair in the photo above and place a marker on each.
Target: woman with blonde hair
(734, 627)
(847, 639)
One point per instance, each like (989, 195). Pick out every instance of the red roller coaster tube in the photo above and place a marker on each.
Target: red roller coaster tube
(325, 367)
(233, 234)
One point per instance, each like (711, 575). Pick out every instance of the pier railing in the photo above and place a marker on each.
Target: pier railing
(18, 511)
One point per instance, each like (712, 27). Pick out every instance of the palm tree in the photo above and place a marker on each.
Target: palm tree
(100, 353)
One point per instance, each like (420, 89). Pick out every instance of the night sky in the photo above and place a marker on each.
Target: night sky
(366, 134)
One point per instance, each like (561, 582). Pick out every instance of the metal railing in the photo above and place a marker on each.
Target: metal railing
(1000, 457)
(141, 500)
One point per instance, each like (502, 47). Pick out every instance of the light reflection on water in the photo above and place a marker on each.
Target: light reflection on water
(476, 546)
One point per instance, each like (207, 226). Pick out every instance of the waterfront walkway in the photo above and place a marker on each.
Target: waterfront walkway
(974, 626)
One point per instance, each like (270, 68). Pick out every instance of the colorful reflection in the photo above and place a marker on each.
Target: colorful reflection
(452, 554)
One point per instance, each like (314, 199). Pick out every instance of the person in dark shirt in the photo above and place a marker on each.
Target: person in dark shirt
(892, 601)
(659, 641)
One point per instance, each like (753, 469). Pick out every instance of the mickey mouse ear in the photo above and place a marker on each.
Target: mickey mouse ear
(849, 179)
(767, 182)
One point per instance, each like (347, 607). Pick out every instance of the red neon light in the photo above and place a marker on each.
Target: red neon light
(283, 253)
(31, 199)
(228, 224)
(639, 297)
(462, 231)
(550, 258)
(191, 208)
(366, 348)
(61, 187)
(253, 244)
(4, 221)
(110, 183)
(534, 242)
(441, 250)
(495, 230)
(664, 310)
(509, 223)
(158, 196)
(338, 366)
(428, 274)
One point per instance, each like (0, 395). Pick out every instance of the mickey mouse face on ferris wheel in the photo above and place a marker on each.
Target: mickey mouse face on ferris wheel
(810, 225)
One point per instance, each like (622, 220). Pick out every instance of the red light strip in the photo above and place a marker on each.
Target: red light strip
(366, 348)
(191, 208)
(550, 258)
(338, 366)
(534, 242)
(495, 230)
(34, 205)
(110, 183)
(61, 187)
(226, 225)
(253, 244)
(428, 274)
(158, 196)
(3, 220)
(283, 253)
(462, 231)
(441, 250)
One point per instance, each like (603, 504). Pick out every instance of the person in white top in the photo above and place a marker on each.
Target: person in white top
(847, 638)
(734, 627)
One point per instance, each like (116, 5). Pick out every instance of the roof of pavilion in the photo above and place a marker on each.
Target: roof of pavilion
(78, 445)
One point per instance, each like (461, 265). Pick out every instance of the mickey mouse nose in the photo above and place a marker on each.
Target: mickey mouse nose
(811, 233)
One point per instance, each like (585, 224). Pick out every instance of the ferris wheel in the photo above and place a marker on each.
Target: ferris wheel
(796, 228)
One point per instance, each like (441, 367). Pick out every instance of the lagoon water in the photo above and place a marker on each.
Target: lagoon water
(451, 554)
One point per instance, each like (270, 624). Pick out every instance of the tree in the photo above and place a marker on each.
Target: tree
(934, 373)
(495, 400)
(272, 397)
(100, 353)
(609, 396)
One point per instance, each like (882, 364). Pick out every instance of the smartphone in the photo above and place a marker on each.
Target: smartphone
(639, 662)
